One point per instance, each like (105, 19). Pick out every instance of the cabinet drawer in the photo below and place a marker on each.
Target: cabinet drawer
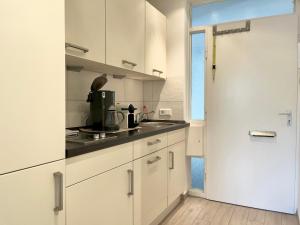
(88, 165)
(176, 136)
(148, 145)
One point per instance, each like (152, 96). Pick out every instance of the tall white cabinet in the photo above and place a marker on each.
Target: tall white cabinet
(155, 46)
(32, 83)
(32, 116)
(125, 34)
(85, 29)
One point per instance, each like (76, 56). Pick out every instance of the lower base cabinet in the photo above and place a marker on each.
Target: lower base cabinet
(104, 199)
(28, 197)
(140, 182)
(150, 185)
(177, 177)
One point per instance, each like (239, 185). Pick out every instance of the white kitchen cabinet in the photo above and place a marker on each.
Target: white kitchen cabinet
(102, 199)
(156, 34)
(149, 145)
(125, 34)
(32, 86)
(28, 196)
(150, 187)
(177, 176)
(85, 29)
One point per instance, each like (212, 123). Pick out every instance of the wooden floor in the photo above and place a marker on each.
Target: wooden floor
(197, 211)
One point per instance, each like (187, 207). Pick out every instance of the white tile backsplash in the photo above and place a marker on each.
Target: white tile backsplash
(133, 90)
(127, 91)
(148, 90)
(177, 109)
(77, 113)
(165, 94)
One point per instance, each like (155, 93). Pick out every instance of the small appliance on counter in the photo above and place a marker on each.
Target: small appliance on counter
(100, 103)
(112, 121)
(104, 116)
(130, 121)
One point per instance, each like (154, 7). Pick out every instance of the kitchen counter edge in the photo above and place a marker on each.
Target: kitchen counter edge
(77, 150)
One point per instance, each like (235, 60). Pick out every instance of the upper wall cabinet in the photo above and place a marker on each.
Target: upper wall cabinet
(125, 34)
(156, 32)
(85, 29)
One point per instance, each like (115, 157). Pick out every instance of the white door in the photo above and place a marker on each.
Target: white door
(125, 34)
(103, 199)
(150, 187)
(32, 83)
(28, 197)
(256, 80)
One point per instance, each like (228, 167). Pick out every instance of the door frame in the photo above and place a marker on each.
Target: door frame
(195, 30)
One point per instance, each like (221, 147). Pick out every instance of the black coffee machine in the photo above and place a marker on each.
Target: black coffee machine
(100, 102)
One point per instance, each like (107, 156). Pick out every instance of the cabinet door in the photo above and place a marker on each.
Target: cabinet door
(150, 184)
(177, 176)
(85, 27)
(32, 83)
(28, 196)
(156, 33)
(125, 34)
(103, 199)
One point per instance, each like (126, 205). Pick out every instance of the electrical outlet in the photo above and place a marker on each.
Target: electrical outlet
(165, 112)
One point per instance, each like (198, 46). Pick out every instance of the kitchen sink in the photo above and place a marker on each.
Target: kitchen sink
(156, 124)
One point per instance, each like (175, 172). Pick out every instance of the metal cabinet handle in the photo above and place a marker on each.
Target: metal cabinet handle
(71, 45)
(58, 182)
(128, 62)
(151, 161)
(157, 141)
(257, 133)
(159, 71)
(172, 160)
(131, 182)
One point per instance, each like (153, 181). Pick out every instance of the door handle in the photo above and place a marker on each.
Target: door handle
(289, 115)
(58, 196)
(131, 182)
(172, 160)
(128, 62)
(157, 141)
(156, 159)
(266, 134)
(71, 45)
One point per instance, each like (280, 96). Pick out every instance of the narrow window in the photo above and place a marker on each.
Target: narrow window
(198, 76)
(198, 173)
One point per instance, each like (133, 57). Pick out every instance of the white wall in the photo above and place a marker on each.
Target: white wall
(298, 129)
(171, 93)
(128, 91)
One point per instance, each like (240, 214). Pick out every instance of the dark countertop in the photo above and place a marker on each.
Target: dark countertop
(75, 149)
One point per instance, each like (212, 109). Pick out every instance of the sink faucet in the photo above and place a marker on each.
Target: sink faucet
(141, 115)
